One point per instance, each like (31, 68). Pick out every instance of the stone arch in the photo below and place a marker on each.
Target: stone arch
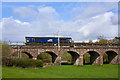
(112, 56)
(75, 56)
(94, 57)
(30, 56)
(27, 53)
(54, 56)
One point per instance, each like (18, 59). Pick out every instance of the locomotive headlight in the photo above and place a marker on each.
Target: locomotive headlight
(70, 40)
(27, 40)
(50, 40)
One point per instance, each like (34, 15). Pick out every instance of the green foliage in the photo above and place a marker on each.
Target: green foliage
(0, 42)
(6, 50)
(83, 41)
(0, 48)
(101, 41)
(22, 55)
(67, 57)
(86, 58)
(90, 41)
(45, 57)
(117, 38)
(105, 58)
(24, 63)
(5, 61)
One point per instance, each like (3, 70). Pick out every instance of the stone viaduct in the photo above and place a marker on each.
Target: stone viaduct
(77, 51)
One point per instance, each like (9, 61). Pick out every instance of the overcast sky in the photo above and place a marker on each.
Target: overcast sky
(82, 21)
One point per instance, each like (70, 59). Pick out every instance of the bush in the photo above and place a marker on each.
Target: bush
(22, 55)
(45, 57)
(6, 50)
(66, 57)
(24, 63)
(5, 61)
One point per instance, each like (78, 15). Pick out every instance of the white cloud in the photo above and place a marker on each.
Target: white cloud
(100, 25)
(22, 23)
(46, 10)
(38, 13)
(14, 29)
(115, 19)
(96, 26)
(25, 12)
(86, 26)
(93, 9)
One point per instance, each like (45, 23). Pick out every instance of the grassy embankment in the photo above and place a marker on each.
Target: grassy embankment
(64, 71)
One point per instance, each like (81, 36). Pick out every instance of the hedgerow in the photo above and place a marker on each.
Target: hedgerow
(24, 63)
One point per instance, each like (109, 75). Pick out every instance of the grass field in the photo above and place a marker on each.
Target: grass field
(64, 71)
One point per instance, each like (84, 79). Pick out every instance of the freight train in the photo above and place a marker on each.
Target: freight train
(30, 40)
(64, 41)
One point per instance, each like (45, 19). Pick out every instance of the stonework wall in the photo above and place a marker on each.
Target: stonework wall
(97, 58)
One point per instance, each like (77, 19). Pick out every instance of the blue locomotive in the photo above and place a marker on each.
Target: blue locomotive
(48, 39)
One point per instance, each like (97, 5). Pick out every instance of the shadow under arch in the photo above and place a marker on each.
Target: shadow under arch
(29, 55)
(54, 56)
(75, 55)
(111, 55)
(93, 56)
